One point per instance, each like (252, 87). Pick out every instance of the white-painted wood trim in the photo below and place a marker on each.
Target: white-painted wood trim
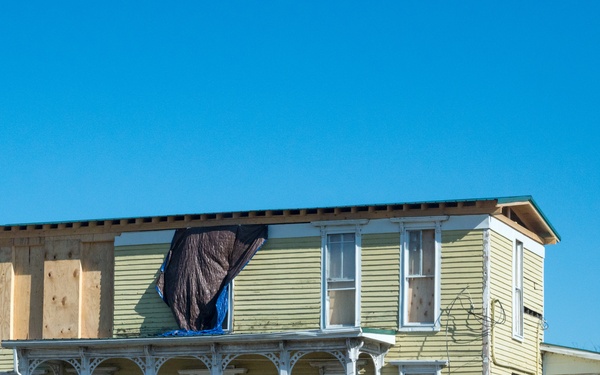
(419, 219)
(333, 223)
(354, 227)
(144, 238)
(227, 371)
(487, 322)
(404, 227)
(407, 367)
(517, 280)
(512, 234)
(549, 348)
(377, 226)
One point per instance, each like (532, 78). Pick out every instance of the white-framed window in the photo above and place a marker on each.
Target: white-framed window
(517, 307)
(420, 246)
(340, 289)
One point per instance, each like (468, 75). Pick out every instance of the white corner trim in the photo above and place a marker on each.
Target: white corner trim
(144, 238)
(513, 234)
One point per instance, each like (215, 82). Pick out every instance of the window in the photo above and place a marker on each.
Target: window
(420, 277)
(518, 290)
(340, 279)
(421, 272)
(340, 262)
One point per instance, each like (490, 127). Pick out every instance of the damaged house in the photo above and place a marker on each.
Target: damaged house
(433, 287)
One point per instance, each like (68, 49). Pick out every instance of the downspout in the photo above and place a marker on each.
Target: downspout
(508, 366)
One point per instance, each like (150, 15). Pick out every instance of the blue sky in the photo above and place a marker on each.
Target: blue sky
(120, 109)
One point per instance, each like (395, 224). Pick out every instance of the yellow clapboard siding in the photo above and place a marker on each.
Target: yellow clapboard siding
(380, 280)
(460, 336)
(6, 360)
(138, 308)
(507, 350)
(280, 289)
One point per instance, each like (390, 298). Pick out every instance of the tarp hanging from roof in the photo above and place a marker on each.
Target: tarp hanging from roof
(198, 268)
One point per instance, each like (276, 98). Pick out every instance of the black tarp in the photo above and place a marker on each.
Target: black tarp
(199, 265)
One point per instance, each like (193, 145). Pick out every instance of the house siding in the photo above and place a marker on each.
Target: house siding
(139, 311)
(510, 354)
(280, 288)
(459, 339)
(6, 359)
(380, 280)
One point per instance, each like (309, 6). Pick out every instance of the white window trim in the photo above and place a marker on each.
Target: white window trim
(229, 320)
(407, 367)
(419, 223)
(335, 227)
(518, 320)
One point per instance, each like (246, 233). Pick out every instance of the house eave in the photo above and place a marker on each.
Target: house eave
(297, 336)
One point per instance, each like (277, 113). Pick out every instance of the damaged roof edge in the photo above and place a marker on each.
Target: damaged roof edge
(252, 210)
(459, 206)
(529, 198)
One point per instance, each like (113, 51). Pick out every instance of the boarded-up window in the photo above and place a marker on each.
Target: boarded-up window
(420, 277)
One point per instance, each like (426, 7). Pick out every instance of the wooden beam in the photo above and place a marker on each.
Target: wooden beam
(251, 217)
(97, 300)
(28, 287)
(521, 229)
(6, 292)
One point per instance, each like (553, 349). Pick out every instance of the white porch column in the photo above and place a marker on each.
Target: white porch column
(21, 361)
(284, 360)
(351, 358)
(216, 365)
(378, 361)
(85, 364)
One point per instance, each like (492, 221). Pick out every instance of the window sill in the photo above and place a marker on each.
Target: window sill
(341, 329)
(518, 338)
(431, 328)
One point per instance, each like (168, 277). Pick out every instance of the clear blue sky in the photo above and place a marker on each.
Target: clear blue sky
(119, 109)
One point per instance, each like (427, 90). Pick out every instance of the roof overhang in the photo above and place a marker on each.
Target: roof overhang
(524, 211)
(297, 340)
(521, 212)
(572, 352)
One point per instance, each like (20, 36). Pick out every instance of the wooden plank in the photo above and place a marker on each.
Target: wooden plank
(421, 300)
(97, 264)
(6, 292)
(62, 276)
(28, 286)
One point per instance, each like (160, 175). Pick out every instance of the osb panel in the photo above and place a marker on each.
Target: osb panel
(28, 292)
(6, 291)
(97, 263)
(62, 273)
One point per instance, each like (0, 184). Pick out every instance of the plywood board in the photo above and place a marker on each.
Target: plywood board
(6, 291)
(421, 302)
(97, 263)
(28, 287)
(62, 275)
